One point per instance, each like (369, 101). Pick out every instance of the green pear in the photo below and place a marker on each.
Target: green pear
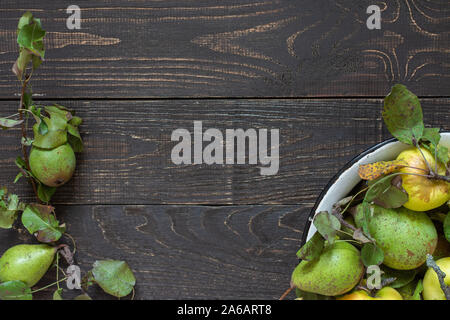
(53, 167)
(337, 270)
(405, 236)
(26, 262)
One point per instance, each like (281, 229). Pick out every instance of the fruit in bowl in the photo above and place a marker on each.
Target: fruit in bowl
(424, 194)
(389, 209)
(338, 269)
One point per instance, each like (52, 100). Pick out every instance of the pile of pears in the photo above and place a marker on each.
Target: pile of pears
(406, 237)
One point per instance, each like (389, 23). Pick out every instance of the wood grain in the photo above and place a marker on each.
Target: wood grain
(246, 48)
(195, 252)
(127, 159)
(221, 231)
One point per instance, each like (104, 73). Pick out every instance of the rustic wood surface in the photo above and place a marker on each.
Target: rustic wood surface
(245, 48)
(195, 252)
(138, 70)
(127, 158)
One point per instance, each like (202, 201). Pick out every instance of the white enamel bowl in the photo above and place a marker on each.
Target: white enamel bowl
(347, 178)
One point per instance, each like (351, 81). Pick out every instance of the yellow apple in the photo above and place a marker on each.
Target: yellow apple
(424, 193)
(386, 293)
(431, 287)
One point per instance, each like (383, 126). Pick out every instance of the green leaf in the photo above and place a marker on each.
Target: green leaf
(362, 217)
(442, 153)
(26, 141)
(27, 18)
(82, 297)
(40, 221)
(57, 294)
(42, 128)
(27, 100)
(87, 281)
(447, 227)
(383, 193)
(371, 254)
(75, 121)
(15, 290)
(312, 249)
(45, 193)
(359, 235)
(59, 111)
(7, 218)
(21, 63)
(30, 37)
(36, 60)
(74, 138)
(418, 291)
(9, 207)
(19, 175)
(403, 115)
(114, 277)
(52, 131)
(327, 225)
(55, 136)
(6, 123)
(20, 163)
(432, 135)
(402, 277)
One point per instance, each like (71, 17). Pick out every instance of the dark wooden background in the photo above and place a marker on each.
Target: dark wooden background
(137, 70)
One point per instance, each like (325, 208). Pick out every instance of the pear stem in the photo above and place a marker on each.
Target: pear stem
(346, 233)
(57, 269)
(434, 174)
(284, 295)
(50, 285)
(73, 242)
(354, 197)
(24, 135)
(425, 159)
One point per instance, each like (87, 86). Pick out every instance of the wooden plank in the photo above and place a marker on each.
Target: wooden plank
(127, 159)
(246, 48)
(190, 252)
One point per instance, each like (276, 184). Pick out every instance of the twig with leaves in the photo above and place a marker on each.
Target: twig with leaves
(56, 128)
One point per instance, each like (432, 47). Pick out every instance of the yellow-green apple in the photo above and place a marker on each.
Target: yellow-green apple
(424, 193)
(386, 293)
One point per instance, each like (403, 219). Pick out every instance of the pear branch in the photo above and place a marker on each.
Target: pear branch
(284, 295)
(440, 274)
(432, 173)
(24, 134)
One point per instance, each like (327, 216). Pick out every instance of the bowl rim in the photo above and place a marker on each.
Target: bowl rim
(336, 177)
